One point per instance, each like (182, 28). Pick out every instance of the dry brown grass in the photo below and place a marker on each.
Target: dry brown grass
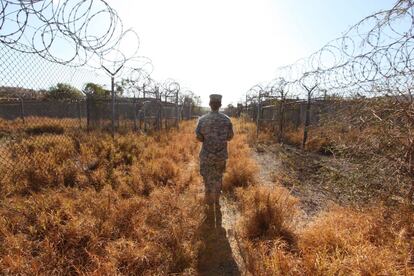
(88, 204)
(132, 206)
(241, 169)
(268, 213)
(340, 241)
(374, 240)
(373, 137)
(36, 124)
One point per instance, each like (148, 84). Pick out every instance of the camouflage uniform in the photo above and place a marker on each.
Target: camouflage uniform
(214, 130)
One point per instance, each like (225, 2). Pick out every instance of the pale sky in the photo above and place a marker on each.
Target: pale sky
(222, 46)
(227, 46)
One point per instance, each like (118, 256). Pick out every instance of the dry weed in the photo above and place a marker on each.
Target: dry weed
(268, 213)
(341, 241)
(241, 168)
(375, 240)
(91, 205)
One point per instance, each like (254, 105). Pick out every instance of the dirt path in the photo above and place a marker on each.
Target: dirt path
(269, 164)
(312, 195)
(230, 218)
(220, 254)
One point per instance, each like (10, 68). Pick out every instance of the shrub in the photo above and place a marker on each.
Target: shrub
(63, 91)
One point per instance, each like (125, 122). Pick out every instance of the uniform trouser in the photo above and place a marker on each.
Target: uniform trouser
(212, 173)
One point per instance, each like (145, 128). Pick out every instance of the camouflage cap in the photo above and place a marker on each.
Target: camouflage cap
(215, 98)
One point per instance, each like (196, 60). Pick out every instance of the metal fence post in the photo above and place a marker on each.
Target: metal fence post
(88, 119)
(281, 122)
(159, 125)
(307, 122)
(165, 118)
(299, 115)
(135, 114)
(79, 114)
(117, 114)
(176, 111)
(140, 112)
(113, 105)
(112, 74)
(145, 116)
(307, 115)
(258, 114)
(22, 110)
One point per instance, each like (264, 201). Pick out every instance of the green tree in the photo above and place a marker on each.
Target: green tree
(63, 91)
(94, 89)
(119, 89)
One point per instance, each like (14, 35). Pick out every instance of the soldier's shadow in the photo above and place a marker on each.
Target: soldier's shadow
(215, 257)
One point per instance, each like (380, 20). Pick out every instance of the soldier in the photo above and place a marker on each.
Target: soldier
(214, 130)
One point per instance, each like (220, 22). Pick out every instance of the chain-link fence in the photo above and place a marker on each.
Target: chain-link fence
(44, 103)
(284, 118)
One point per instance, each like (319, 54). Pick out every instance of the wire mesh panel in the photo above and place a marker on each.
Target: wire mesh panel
(170, 115)
(99, 113)
(288, 119)
(42, 105)
(29, 71)
(30, 120)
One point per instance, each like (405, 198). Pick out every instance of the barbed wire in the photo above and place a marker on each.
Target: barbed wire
(89, 31)
(81, 33)
(373, 56)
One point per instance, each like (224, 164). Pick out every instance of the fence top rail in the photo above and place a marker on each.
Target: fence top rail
(10, 99)
(31, 101)
(129, 100)
(97, 99)
(302, 101)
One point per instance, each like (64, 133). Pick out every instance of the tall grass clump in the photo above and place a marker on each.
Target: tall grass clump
(267, 228)
(241, 169)
(268, 213)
